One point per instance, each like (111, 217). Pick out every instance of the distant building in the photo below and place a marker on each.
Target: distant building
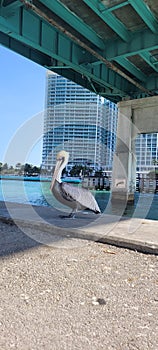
(111, 113)
(78, 121)
(85, 124)
(146, 151)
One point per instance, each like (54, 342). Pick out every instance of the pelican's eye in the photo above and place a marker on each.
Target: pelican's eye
(61, 158)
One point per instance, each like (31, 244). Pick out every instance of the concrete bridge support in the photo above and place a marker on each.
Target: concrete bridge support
(135, 117)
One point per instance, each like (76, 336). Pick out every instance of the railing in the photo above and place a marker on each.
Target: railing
(96, 183)
(146, 184)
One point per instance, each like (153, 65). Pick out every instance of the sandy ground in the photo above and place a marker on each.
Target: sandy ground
(75, 295)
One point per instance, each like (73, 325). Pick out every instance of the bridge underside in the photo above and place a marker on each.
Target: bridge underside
(109, 47)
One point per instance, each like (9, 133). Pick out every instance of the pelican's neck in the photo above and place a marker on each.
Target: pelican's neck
(58, 177)
(63, 165)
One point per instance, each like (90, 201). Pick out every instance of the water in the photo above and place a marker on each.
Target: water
(26, 192)
(38, 193)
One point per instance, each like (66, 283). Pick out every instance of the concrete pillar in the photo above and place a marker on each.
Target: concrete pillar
(135, 117)
(124, 163)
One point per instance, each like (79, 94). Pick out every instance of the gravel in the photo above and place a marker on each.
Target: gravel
(75, 295)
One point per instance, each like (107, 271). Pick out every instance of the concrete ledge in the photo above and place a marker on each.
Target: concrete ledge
(118, 234)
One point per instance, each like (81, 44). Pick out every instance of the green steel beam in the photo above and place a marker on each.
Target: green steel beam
(31, 35)
(12, 6)
(152, 83)
(80, 43)
(43, 38)
(60, 10)
(115, 7)
(119, 28)
(124, 62)
(147, 57)
(140, 42)
(144, 12)
(110, 94)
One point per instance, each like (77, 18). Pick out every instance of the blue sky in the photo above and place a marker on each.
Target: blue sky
(22, 95)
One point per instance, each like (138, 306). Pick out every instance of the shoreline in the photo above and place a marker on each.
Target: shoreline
(24, 178)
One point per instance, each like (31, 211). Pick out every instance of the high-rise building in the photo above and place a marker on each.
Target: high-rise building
(111, 113)
(78, 121)
(146, 146)
(85, 124)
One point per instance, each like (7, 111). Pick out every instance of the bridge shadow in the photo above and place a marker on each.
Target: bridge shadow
(13, 240)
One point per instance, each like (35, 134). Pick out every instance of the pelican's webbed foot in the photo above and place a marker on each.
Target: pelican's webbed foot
(70, 216)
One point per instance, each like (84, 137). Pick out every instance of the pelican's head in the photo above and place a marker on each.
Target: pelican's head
(62, 160)
(63, 156)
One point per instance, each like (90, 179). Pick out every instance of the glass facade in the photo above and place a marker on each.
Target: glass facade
(146, 146)
(79, 121)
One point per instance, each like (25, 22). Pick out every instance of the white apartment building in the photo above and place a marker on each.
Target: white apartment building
(84, 124)
(78, 121)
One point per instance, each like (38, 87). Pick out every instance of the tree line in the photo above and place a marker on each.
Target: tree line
(19, 169)
(83, 170)
(32, 170)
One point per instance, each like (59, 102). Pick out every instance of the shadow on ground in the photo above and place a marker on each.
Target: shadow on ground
(13, 240)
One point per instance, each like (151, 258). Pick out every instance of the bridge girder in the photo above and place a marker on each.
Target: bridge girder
(52, 35)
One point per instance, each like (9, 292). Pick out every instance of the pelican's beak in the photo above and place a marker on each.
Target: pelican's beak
(56, 172)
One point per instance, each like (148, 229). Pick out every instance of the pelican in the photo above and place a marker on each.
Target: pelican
(76, 198)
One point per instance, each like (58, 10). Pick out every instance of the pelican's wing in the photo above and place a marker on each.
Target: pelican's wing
(81, 195)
